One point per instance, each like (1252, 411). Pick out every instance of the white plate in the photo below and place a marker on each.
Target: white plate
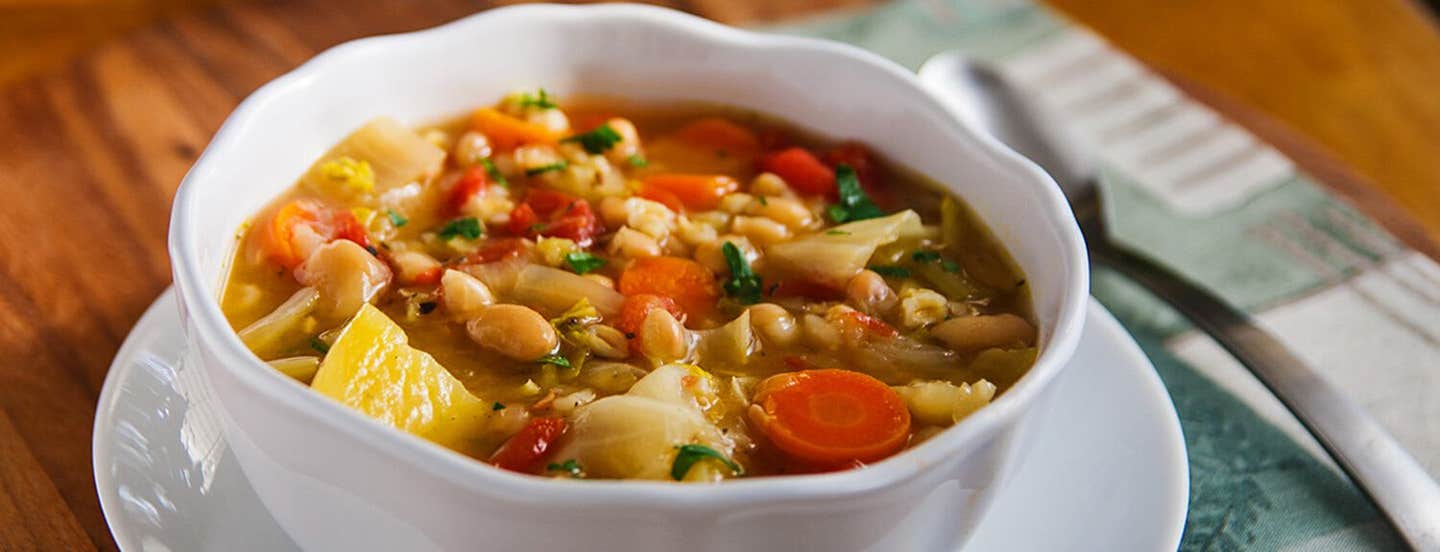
(1109, 474)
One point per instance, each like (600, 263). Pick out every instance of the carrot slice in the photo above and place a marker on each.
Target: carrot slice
(299, 226)
(801, 170)
(688, 283)
(701, 192)
(720, 134)
(525, 451)
(663, 197)
(831, 417)
(507, 133)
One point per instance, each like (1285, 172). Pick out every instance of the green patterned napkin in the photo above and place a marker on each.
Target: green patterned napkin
(1202, 195)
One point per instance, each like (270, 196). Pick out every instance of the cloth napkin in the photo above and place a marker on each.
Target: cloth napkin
(1194, 191)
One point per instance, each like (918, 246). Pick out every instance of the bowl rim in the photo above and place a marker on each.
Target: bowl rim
(211, 331)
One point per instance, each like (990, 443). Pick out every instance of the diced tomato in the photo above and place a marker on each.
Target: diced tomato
(497, 249)
(525, 452)
(301, 225)
(472, 182)
(555, 214)
(855, 155)
(663, 197)
(688, 283)
(638, 306)
(773, 139)
(701, 192)
(801, 170)
(866, 325)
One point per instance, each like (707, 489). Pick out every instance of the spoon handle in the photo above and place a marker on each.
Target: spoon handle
(1394, 481)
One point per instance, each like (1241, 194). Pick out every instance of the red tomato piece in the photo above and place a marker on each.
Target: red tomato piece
(555, 214)
(525, 452)
(638, 306)
(474, 181)
(801, 170)
(498, 249)
(287, 238)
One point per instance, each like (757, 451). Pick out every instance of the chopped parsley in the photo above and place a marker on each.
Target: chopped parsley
(890, 271)
(556, 360)
(395, 218)
(569, 467)
(468, 228)
(582, 262)
(688, 455)
(498, 406)
(743, 284)
(540, 99)
(319, 345)
(597, 141)
(542, 169)
(952, 266)
(925, 256)
(854, 204)
(638, 161)
(493, 172)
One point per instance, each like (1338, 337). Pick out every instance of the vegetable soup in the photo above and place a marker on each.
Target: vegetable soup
(611, 290)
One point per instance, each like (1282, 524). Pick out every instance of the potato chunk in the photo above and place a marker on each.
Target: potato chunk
(372, 369)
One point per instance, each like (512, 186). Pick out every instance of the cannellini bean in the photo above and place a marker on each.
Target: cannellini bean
(552, 119)
(635, 245)
(714, 219)
(975, 333)
(819, 333)
(629, 143)
(470, 148)
(770, 184)
(922, 307)
(534, 157)
(695, 233)
(662, 338)
(712, 254)
(774, 323)
(515, 331)
(462, 295)
(735, 203)
(346, 275)
(869, 293)
(651, 218)
(610, 377)
(613, 211)
(415, 267)
(760, 230)
(792, 213)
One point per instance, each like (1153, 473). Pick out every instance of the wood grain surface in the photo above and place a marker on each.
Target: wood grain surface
(92, 147)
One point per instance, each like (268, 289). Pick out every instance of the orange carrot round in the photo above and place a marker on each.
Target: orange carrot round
(831, 417)
(688, 283)
(701, 192)
(720, 134)
(507, 133)
(663, 197)
(281, 239)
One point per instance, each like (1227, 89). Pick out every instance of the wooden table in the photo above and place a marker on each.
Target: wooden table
(91, 150)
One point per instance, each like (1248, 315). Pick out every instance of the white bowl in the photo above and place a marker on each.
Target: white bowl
(334, 478)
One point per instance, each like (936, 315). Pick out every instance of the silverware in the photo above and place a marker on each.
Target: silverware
(1402, 490)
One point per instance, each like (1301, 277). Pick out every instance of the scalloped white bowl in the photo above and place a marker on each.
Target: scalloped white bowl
(334, 478)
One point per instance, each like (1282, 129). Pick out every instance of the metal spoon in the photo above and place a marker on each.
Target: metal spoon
(1392, 479)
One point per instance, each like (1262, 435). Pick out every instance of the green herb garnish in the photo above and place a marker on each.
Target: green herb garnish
(854, 204)
(556, 360)
(743, 284)
(763, 201)
(638, 161)
(597, 141)
(570, 467)
(836, 233)
(950, 266)
(540, 99)
(468, 228)
(688, 455)
(582, 262)
(395, 218)
(319, 345)
(493, 172)
(542, 169)
(890, 271)
(498, 406)
(925, 256)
